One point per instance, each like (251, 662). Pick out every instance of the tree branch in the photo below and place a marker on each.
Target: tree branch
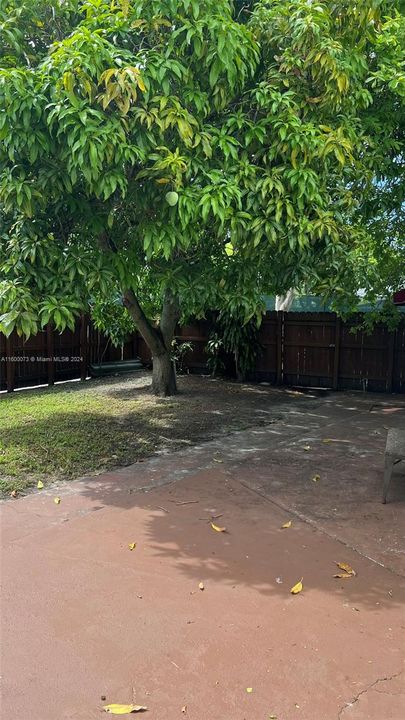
(150, 334)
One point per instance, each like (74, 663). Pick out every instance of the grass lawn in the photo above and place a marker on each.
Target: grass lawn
(81, 428)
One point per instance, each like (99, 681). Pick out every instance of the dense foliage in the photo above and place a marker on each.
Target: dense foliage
(186, 154)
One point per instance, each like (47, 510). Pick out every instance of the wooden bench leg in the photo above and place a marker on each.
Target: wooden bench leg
(389, 464)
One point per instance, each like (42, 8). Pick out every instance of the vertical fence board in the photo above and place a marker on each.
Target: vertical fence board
(50, 354)
(9, 365)
(84, 346)
(398, 375)
(336, 360)
(280, 340)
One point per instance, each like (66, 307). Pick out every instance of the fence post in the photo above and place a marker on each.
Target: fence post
(84, 346)
(390, 363)
(338, 328)
(280, 338)
(50, 354)
(10, 367)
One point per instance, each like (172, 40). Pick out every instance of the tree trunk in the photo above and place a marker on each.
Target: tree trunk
(163, 375)
(284, 302)
(158, 339)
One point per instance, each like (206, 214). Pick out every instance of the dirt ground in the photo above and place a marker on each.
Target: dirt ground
(85, 618)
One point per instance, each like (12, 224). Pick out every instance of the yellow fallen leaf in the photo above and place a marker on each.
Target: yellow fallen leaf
(56, 500)
(249, 690)
(297, 588)
(40, 485)
(342, 575)
(201, 585)
(132, 546)
(316, 478)
(217, 528)
(346, 567)
(116, 709)
(287, 524)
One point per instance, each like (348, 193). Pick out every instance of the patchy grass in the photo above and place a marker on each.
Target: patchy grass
(77, 429)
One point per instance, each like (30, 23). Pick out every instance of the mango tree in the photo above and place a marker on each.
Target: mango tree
(185, 154)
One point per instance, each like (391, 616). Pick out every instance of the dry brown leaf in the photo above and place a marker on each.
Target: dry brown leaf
(342, 575)
(132, 546)
(201, 585)
(56, 500)
(116, 709)
(346, 567)
(217, 528)
(287, 524)
(297, 588)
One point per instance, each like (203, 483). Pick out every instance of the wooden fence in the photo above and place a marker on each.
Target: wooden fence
(305, 349)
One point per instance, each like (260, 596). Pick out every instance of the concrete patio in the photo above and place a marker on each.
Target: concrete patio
(85, 618)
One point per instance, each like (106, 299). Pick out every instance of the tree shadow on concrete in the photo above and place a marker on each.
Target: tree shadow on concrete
(254, 552)
(170, 500)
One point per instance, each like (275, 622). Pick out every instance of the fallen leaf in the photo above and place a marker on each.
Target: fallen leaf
(346, 567)
(217, 528)
(342, 575)
(56, 500)
(132, 546)
(287, 524)
(249, 690)
(316, 478)
(13, 493)
(40, 485)
(116, 709)
(184, 709)
(272, 717)
(297, 588)
(217, 460)
(306, 447)
(327, 440)
(201, 585)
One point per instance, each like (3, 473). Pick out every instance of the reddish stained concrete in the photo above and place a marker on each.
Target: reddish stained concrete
(84, 617)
